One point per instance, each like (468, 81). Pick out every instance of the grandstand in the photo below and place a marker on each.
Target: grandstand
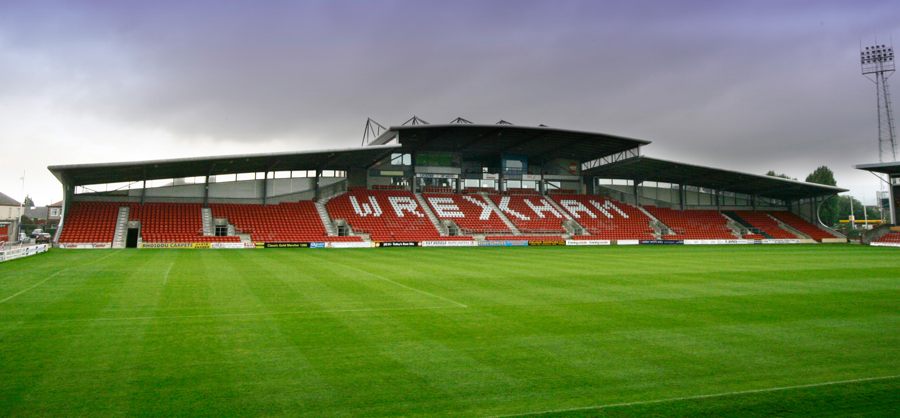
(451, 184)
(889, 201)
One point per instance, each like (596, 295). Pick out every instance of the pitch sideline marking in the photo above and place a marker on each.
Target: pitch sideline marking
(706, 396)
(8, 298)
(380, 277)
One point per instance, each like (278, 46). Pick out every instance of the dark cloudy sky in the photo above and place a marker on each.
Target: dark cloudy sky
(753, 85)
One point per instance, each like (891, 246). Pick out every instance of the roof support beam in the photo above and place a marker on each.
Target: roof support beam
(378, 158)
(328, 161)
(265, 187)
(206, 191)
(317, 190)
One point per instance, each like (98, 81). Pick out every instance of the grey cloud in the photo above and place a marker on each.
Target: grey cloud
(750, 85)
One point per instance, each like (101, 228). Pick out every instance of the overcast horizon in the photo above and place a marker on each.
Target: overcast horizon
(747, 86)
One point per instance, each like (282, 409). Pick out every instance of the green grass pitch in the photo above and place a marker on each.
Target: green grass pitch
(602, 331)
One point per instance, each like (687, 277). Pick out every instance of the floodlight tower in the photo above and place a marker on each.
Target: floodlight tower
(877, 63)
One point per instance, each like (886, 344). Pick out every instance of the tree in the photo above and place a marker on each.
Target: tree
(772, 173)
(829, 210)
(843, 209)
(28, 202)
(822, 175)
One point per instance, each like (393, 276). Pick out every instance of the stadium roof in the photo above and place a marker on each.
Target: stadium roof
(340, 159)
(644, 168)
(892, 168)
(477, 141)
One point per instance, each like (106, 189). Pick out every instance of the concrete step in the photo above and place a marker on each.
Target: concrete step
(206, 217)
(506, 221)
(431, 216)
(121, 227)
(326, 219)
(788, 228)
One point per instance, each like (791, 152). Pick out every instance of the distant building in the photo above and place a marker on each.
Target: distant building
(10, 211)
(45, 215)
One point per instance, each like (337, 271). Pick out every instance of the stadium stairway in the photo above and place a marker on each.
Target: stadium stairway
(207, 219)
(386, 215)
(284, 222)
(531, 213)
(426, 208)
(605, 218)
(800, 224)
(765, 225)
(693, 224)
(121, 227)
(509, 224)
(748, 230)
(572, 227)
(788, 228)
(326, 220)
(659, 228)
(469, 213)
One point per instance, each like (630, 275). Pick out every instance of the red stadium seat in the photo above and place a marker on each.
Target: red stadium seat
(605, 218)
(386, 215)
(470, 212)
(530, 214)
(90, 222)
(284, 222)
(693, 224)
(892, 237)
(801, 225)
(762, 221)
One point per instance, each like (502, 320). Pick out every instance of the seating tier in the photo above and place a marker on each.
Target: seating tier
(530, 213)
(172, 222)
(470, 212)
(801, 225)
(764, 223)
(284, 222)
(386, 215)
(892, 237)
(605, 218)
(693, 224)
(90, 222)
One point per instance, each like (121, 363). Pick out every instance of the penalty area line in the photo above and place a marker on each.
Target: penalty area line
(461, 305)
(705, 396)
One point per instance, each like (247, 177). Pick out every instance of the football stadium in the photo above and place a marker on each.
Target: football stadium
(454, 269)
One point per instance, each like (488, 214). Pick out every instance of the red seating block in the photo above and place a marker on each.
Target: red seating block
(693, 224)
(890, 237)
(801, 225)
(386, 215)
(470, 212)
(530, 213)
(284, 222)
(763, 222)
(90, 222)
(605, 218)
